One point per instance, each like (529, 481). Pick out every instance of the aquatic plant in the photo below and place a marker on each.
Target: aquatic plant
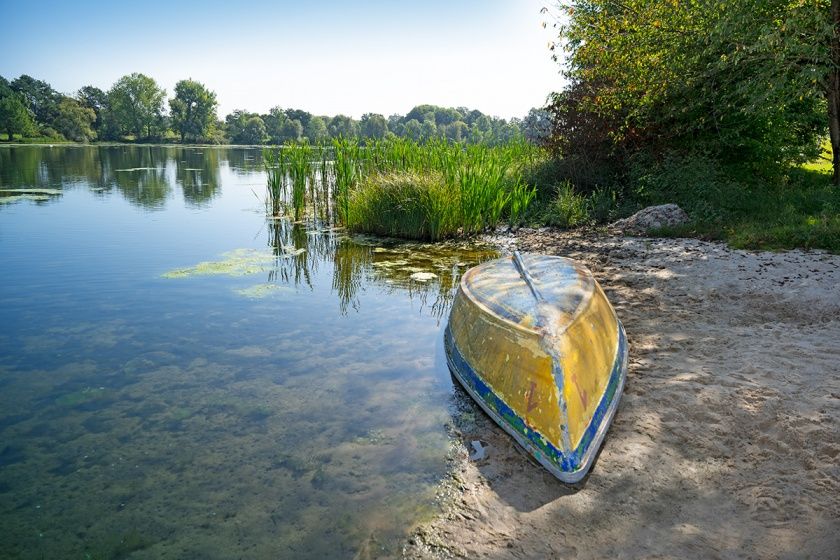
(403, 188)
(299, 157)
(276, 186)
(345, 167)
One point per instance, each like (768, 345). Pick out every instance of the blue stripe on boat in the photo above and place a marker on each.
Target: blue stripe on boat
(539, 444)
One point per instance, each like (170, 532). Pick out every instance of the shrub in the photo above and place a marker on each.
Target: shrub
(568, 208)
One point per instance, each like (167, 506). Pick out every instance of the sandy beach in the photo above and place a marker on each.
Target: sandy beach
(727, 440)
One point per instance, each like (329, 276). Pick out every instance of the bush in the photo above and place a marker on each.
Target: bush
(568, 208)
(699, 184)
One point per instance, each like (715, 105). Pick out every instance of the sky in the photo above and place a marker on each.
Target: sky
(326, 57)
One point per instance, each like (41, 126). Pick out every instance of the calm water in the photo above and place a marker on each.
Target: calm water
(181, 378)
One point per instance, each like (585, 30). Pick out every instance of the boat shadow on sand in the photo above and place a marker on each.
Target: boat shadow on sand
(507, 469)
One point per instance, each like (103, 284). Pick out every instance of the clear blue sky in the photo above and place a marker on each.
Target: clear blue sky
(326, 57)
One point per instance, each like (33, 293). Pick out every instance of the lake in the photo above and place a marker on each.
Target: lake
(182, 377)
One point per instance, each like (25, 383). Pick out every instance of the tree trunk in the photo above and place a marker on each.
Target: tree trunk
(833, 93)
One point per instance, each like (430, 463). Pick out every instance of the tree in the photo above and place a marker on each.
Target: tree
(274, 121)
(413, 129)
(74, 121)
(253, 132)
(537, 125)
(97, 100)
(343, 126)
(136, 104)
(373, 125)
(428, 130)
(235, 124)
(299, 115)
(457, 131)
(38, 97)
(740, 80)
(193, 109)
(246, 128)
(316, 130)
(292, 130)
(14, 117)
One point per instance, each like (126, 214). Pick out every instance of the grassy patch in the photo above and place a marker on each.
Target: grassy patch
(823, 162)
(753, 209)
(405, 204)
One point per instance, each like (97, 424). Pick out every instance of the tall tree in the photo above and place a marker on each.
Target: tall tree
(39, 97)
(74, 121)
(274, 121)
(253, 132)
(292, 130)
(536, 126)
(97, 100)
(246, 128)
(136, 103)
(316, 130)
(373, 125)
(14, 117)
(299, 115)
(343, 126)
(741, 79)
(193, 109)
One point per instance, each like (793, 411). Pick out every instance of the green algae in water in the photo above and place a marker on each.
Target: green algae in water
(239, 262)
(22, 197)
(83, 396)
(260, 291)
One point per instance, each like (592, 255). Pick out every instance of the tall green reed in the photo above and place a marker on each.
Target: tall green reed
(401, 187)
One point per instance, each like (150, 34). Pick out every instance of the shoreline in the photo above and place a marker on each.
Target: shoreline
(727, 438)
(137, 144)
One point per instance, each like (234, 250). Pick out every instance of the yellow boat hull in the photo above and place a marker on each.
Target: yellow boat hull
(535, 342)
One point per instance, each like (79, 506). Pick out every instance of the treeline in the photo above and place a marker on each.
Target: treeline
(136, 109)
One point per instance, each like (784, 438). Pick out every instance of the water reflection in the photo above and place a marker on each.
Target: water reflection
(144, 175)
(428, 273)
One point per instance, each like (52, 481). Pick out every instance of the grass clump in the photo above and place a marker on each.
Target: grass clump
(568, 208)
(405, 204)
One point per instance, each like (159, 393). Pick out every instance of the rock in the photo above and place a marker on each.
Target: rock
(652, 217)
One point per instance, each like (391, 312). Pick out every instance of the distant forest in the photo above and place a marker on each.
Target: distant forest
(136, 109)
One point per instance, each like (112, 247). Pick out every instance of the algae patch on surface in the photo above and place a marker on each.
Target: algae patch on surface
(260, 291)
(239, 262)
(21, 197)
(51, 192)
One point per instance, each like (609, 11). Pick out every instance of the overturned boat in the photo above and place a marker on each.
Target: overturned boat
(533, 339)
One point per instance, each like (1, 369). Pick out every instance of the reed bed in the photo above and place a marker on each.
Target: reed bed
(402, 188)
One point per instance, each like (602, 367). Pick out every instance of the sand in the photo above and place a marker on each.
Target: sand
(727, 440)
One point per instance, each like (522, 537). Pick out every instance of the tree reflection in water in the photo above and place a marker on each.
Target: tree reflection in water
(429, 273)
